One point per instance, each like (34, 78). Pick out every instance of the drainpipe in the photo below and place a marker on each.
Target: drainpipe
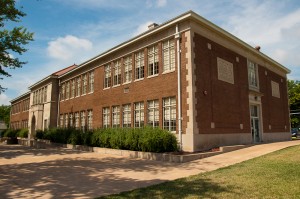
(57, 118)
(177, 36)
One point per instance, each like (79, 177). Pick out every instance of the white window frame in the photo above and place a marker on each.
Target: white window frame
(116, 116)
(139, 118)
(168, 55)
(253, 79)
(139, 65)
(82, 120)
(169, 114)
(90, 120)
(66, 118)
(127, 69)
(73, 88)
(106, 117)
(84, 84)
(78, 90)
(77, 120)
(91, 82)
(153, 63)
(71, 119)
(153, 113)
(67, 90)
(117, 73)
(127, 115)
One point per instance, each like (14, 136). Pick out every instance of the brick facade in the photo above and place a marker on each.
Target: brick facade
(230, 92)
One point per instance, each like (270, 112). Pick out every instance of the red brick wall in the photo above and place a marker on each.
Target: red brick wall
(225, 104)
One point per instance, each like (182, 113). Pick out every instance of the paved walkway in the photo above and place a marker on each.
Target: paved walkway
(50, 173)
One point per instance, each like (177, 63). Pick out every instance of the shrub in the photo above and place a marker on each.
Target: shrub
(75, 137)
(39, 134)
(23, 133)
(11, 133)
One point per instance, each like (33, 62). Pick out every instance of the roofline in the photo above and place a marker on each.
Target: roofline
(43, 80)
(17, 98)
(189, 14)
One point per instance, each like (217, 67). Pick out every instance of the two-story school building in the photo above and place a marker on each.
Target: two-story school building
(186, 75)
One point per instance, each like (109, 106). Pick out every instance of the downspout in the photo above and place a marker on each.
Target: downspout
(177, 36)
(58, 103)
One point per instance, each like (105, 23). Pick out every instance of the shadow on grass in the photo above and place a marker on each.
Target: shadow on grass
(194, 187)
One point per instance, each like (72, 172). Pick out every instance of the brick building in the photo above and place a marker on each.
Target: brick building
(187, 76)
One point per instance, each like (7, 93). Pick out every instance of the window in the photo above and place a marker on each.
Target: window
(73, 88)
(139, 114)
(107, 77)
(117, 73)
(67, 90)
(84, 86)
(71, 119)
(82, 116)
(252, 74)
(42, 95)
(127, 69)
(91, 82)
(45, 94)
(66, 120)
(139, 65)
(153, 113)
(106, 117)
(168, 51)
(169, 111)
(62, 97)
(153, 60)
(90, 120)
(127, 115)
(61, 119)
(78, 86)
(45, 124)
(77, 120)
(116, 116)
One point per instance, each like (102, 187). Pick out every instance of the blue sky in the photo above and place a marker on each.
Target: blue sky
(72, 31)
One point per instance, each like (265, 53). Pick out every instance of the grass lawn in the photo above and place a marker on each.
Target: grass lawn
(276, 175)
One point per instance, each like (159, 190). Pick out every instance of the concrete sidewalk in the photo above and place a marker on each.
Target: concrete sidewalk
(50, 173)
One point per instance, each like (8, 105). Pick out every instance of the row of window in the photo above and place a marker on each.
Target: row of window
(111, 115)
(19, 124)
(77, 86)
(82, 120)
(20, 106)
(40, 96)
(114, 69)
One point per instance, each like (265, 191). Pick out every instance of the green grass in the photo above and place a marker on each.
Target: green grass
(276, 175)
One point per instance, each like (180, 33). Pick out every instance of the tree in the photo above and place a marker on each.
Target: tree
(294, 100)
(5, 113)
(11, 41)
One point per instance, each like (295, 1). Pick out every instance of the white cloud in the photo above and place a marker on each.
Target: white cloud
(4, 100)
(68, 47)
(161, 3)
(142, 28)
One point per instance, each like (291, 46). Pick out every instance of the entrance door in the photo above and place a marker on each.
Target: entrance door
(33, 123)
(255, 123)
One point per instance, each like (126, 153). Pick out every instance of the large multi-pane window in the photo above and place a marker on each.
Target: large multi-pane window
(66, 120)
(139, 114)
(152, 60)
(73, 88)
(82, 117)
(61, 120)
(107, 76)
(84, 86)
(91, 82)
(106, 117)
(169, 113)
(139, 65)
(67, 90)
(117, 73)
(90, 119)
(153, 113)
(45, 95)
(42, 95)
(71, 119)
(62, 94)
(127, 115)
(78, 86)
(168, 51)
(127, 69)
(77, 120)
(252, 74)
(116, 116)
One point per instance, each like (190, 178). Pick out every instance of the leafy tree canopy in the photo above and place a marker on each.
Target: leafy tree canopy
(5, 114)
(294, 100)
(11, 40)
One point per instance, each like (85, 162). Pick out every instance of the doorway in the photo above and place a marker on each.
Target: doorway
(33, 123)
(255, 123)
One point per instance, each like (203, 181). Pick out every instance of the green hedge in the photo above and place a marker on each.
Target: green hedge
(145, 139)
(13, 133)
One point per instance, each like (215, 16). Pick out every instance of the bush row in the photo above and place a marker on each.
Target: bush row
(13, 133)
(145, 139)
